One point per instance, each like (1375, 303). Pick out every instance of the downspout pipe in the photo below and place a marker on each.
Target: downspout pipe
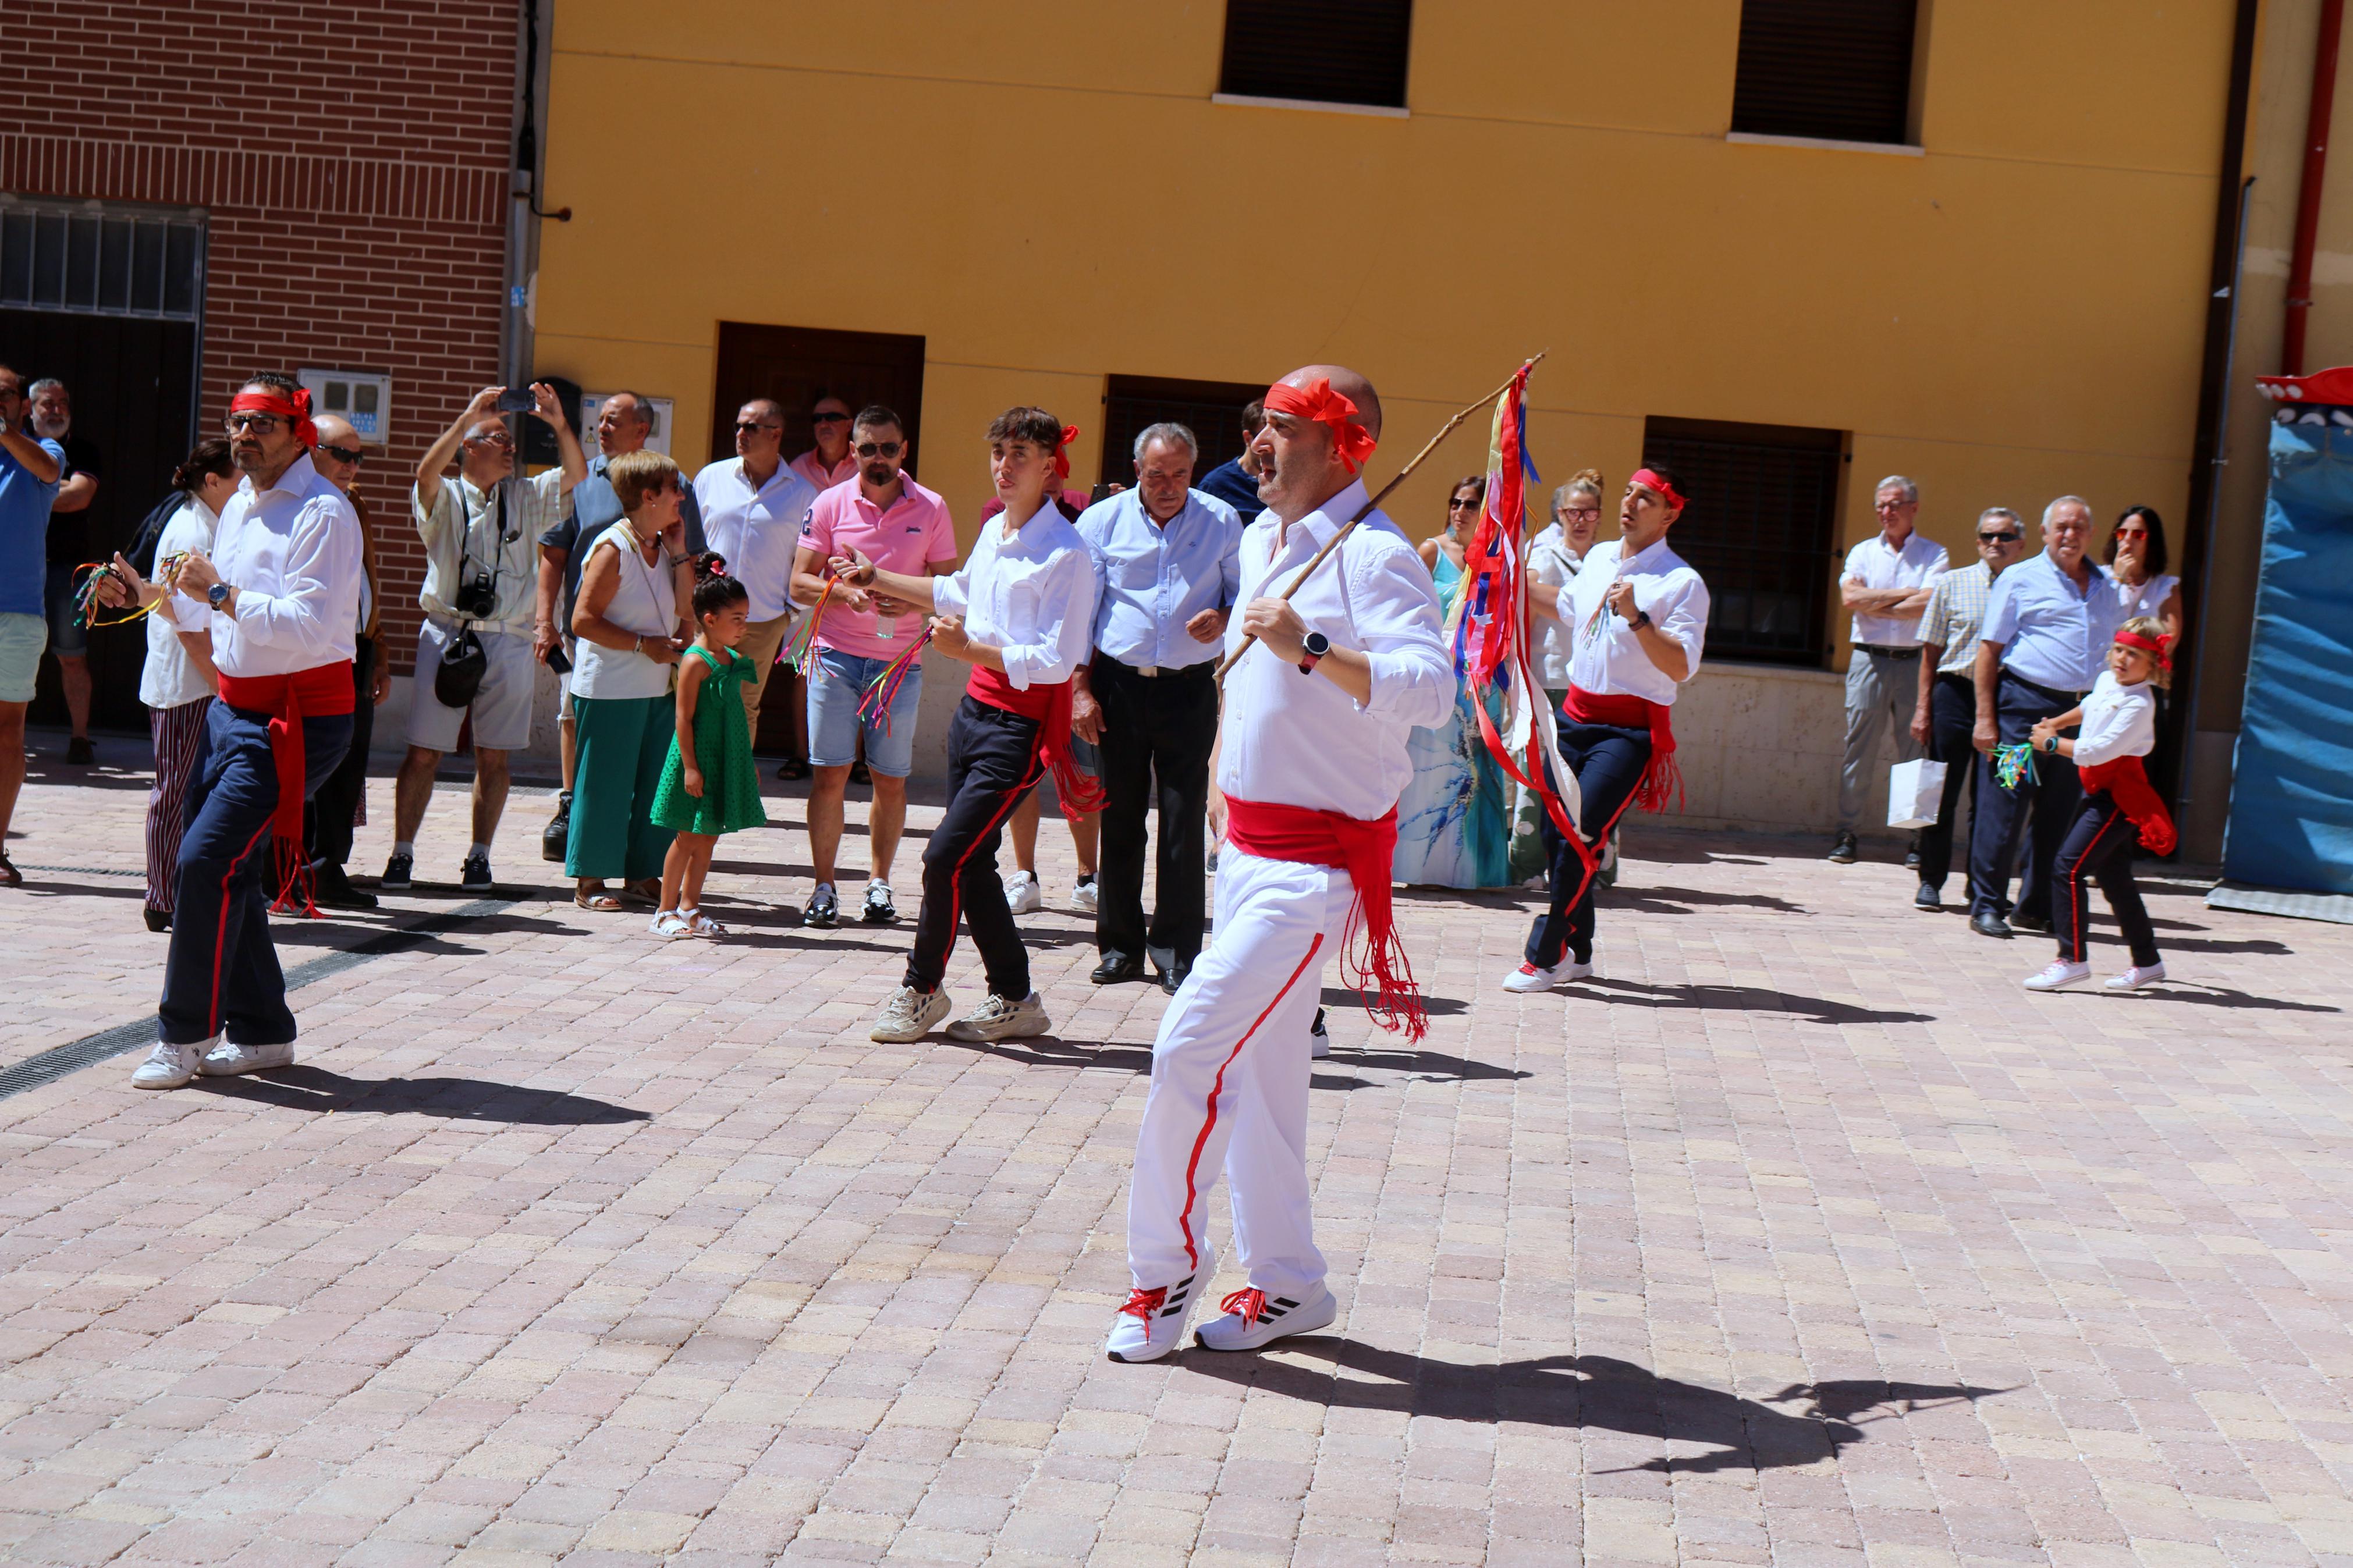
(2316, 170)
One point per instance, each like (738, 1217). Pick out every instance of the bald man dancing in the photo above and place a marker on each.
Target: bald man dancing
(1311, 761)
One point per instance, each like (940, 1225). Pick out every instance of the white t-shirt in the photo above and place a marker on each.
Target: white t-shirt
(170, 679)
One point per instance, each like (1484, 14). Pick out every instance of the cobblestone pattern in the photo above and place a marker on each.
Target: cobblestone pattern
(1804, 1236)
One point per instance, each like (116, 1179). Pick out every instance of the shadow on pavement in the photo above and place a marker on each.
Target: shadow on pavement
(1650, 901)
(1748, 998)
(1593, 1392)
(456, 1099)
(2223, 997)
(1050, 1051)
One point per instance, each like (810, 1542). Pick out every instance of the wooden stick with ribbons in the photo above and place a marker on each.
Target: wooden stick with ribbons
(1374, 505)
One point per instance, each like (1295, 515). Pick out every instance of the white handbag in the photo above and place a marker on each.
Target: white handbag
(1916, 791)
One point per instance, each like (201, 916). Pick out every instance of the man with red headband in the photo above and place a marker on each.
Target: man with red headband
(1637, 617)
(281, 596)
(1310, 760)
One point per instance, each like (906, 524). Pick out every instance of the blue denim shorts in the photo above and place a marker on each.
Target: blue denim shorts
(836, 686)
(67, 640)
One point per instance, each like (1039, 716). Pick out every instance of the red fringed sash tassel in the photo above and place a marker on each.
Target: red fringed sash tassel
(1050, 706)
(1660, 777)
(2127, 782)
(1366, 850)
(321, 693)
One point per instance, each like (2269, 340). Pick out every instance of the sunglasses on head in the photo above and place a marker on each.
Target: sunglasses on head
(351, 455)
(2009, 538)
(877, 448)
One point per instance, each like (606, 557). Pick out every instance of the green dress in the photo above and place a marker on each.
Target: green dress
(722, 745)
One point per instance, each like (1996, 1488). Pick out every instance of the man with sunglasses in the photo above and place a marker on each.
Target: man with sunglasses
(1885, 585)
(29, 469)
(1944, 714)
(481, 538)
(624, 422)
(328, 820)
(830, 461)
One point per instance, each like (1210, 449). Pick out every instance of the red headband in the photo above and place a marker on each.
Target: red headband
(297, 413)
(1318, 401)
(2161, 647)
(1061, 459)
(1649, 480)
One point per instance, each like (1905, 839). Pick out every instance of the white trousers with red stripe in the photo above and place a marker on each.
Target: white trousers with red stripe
(1229, 1081)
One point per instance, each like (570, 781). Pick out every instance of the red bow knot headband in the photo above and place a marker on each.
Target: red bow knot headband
(297, 413)
(2161, 647)
(1651, 481)
(1061, 453)
(1316, 401)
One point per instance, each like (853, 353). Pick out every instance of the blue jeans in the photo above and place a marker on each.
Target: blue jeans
(836, 686)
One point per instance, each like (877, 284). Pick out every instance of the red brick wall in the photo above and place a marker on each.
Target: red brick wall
(352, 160)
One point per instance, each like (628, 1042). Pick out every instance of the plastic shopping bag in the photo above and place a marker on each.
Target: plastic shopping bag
(1914, 791)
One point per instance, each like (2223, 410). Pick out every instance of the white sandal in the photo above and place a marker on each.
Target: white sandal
(702, 925)
(670, 925)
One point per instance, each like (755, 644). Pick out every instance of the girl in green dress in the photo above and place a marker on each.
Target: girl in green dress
(710, 785)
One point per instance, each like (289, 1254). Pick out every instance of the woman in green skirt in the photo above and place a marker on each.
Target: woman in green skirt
(710, 785)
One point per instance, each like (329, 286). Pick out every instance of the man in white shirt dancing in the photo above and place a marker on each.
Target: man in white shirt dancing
(1311, 759)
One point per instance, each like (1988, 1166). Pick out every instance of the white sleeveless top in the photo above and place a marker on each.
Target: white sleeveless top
(2146, 599)
(644, 603)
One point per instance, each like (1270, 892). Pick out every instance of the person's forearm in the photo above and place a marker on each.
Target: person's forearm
(1932, 654)
(981, 654)
(589, 626)
(567, 446)
(1350, 671)
(1545, 598)
(915, 591)
(35, 458)
(1670, 657)
(1913, 605)
(1981, 676)
(75, 494)
(551, 579)
(438, 458)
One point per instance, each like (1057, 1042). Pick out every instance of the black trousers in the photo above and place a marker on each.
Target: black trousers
(2099, 847)
(2052, 798)
(1952, 725)
(992, 764)
(327, 818)
(1607, 760)
(1163, 729)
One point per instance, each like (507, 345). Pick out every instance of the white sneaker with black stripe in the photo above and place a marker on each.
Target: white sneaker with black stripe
(1153, 1321)
(1253, 1319)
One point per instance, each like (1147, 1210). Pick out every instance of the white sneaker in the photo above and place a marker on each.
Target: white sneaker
(1151, 1324)
(1254, 1319)
(2132, 979)
(2059, 973)
(229, 1059)
(997, 1019)
(1023, 896)
(1527, 977)
(168, 1067)
(1082, 898)
(909, 1013)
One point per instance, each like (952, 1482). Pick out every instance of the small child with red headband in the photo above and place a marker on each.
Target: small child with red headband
(2118, 721)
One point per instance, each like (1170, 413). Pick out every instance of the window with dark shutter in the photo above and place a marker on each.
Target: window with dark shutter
(1760, 529)
(1840, 70)
(1212, 410)
(1325, 51)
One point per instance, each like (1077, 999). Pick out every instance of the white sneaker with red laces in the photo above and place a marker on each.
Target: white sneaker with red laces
(1153, 1321)
(1254, 1319)
(2057, 973)
(1527, 977)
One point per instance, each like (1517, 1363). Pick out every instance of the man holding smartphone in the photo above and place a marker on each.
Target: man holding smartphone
(481, 541)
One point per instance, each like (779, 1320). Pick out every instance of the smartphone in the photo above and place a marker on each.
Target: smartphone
(558, 660)
(517, 400)
(1100, 494)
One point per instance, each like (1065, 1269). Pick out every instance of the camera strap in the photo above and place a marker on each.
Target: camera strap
(494, 508)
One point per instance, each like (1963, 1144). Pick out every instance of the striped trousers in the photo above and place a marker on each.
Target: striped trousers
(176, 731)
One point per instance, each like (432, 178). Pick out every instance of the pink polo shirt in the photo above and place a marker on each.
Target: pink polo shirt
(811, 466)
(914, 533)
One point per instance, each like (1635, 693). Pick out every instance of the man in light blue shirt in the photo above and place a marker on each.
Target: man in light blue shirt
(2048, 624)
(30, 469)
(1167, 568)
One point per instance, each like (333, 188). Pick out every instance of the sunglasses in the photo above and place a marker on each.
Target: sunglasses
(2132, 533)
(1580, 511)
(750, 425)
(829, 418)
(259, 424)
(877, 448)
(351, 455)
(2010, 538)
(497, 438)
(1460, 503)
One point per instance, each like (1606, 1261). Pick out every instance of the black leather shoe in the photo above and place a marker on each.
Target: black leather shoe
(1928, 898)
(333, 889)
(1843, 850)
(1985, 922)
(1117, 969)
(1172, 978)
(158, 920)
(556, 836)
(2038, 924)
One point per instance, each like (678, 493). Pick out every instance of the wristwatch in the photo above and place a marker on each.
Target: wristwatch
(1316, 646)
(217, 595)
(1642, 618)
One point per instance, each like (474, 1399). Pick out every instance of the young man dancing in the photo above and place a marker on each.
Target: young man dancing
(1021, 613)
(1311, 759)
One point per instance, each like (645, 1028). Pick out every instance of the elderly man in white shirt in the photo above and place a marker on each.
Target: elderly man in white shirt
(752, 504)
(1887, 585)
(279, 595)
(1311, 761)
(1639, 614)
(482, 580)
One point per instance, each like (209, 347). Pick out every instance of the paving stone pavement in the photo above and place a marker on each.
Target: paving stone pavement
(1801, 1236)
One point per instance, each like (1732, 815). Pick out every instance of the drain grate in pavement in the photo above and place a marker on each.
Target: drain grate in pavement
(51, 1065)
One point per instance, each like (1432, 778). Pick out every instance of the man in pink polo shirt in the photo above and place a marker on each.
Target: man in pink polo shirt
(902, 527)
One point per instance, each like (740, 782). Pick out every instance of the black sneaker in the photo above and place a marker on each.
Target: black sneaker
(1842, 851)
(395, 878)
(1928, 898)
(474, 877)
(824, 911)
(2038, 924)
(81, 753)
(556, 838)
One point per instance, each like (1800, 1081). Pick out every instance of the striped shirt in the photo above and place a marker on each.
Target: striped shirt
(1956, 607)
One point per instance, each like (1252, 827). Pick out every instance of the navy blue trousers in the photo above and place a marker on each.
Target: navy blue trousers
(1608, 760)
(222, 971)
(2051, 797)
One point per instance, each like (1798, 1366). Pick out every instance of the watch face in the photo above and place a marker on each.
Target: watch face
(1318, 644)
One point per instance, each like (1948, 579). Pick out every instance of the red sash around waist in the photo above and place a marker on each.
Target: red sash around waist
(1050, 706)
(1660, 776)
(1366, 850)
(2127, 782)
(322, 692)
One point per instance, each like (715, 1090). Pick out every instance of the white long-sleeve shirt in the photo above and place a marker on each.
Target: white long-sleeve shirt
(1031, 595)
(2119, 720)
(1612, 663)
(1289, 739)
(292, 552)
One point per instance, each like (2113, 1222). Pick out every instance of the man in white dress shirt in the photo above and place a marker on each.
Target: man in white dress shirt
(1885, 584)
(752, 507)
(1311, 761)
(280, 594)
(1639, 616)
